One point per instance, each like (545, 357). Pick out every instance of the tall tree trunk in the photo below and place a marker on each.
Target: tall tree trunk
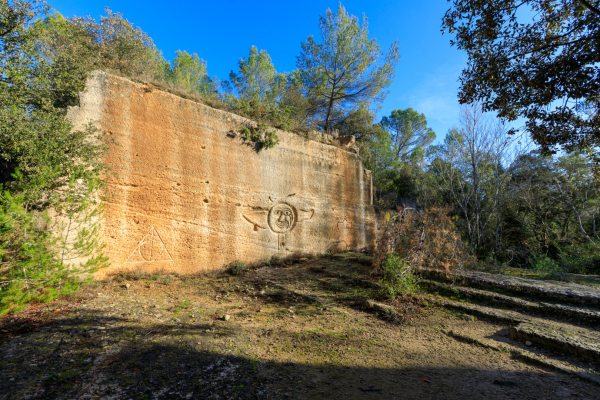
(475, 172)
(577, 213)
(330, 107)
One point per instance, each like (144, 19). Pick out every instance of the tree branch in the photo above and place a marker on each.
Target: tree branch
(590, 7)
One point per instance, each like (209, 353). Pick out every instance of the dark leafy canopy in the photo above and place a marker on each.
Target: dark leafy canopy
(545, 68)
(341, 73)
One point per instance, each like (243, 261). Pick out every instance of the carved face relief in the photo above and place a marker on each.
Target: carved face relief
(282, 218)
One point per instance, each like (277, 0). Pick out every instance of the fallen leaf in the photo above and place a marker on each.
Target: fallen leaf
(57, 310)
(424, 379)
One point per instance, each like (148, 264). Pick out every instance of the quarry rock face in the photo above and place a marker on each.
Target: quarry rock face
(188, 194)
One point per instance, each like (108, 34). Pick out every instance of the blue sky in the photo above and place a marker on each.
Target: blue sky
(222, 31)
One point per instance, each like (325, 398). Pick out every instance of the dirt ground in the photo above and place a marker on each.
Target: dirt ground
(242, 337)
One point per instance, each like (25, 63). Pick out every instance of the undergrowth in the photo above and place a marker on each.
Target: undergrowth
(398, 277)
(411, 240)
(237, 268)
(37, 264)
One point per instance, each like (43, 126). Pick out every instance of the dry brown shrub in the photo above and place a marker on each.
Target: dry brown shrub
(426, 239)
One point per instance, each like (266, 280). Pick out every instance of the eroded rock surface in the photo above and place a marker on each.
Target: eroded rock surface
(543, 289)
(189, 194)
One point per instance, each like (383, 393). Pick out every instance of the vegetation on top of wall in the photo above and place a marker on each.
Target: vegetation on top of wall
(52, 173)
(261, 135)
(491, 195)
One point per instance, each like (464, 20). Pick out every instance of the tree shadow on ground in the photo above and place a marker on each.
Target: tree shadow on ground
(110, 358)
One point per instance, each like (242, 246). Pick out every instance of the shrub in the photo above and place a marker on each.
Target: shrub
(119, 44)
(397, 276)
(261, 135)
(545, 264)
(237, 268)
(35, 264)
(276, 261)
(575, 258)
(51, 174)
(426, 239)
(583, 258)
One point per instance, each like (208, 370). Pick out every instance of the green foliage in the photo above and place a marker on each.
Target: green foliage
(360, 124)
(283, 115)
(574, 258)
(525, 57)
(261, 135)
(472, 168)
(276, 261)
(378, 156)
(341, 73)
(523, 209)
(188, 71)
(257, 91)
(409, 133)
(237, 268)
(37, 144)
(270, 140)
(397, 277)
(257, 79)
(581, 258)
(552, 211)
(46, 154)
(119, 45)
(58, 378)
(51, 174)
(543, 263)
(35, 263)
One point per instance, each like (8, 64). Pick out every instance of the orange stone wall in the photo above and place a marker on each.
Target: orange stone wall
(189, 195)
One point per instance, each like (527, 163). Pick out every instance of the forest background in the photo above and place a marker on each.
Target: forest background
(524, 199)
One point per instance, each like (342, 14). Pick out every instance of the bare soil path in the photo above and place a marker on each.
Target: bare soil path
(287, 332)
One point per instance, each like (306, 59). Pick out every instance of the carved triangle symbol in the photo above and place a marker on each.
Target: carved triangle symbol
(150, 248)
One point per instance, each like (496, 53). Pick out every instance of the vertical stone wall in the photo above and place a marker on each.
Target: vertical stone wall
(188, 195)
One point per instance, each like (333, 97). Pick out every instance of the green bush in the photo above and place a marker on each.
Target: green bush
(51, 173)
(398, 277)
(545, 264)
(575, 258)
(261, 135)
(237, 268)
(34, 263)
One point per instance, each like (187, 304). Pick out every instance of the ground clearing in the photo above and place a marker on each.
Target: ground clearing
(165, 337)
